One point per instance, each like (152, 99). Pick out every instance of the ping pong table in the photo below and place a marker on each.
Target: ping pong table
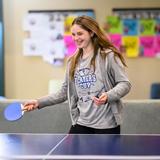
(61, 146)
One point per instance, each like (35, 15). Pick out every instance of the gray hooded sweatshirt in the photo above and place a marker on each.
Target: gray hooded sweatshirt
(109, 76)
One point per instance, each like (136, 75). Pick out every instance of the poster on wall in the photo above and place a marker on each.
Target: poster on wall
(48, 34)
(136, 31)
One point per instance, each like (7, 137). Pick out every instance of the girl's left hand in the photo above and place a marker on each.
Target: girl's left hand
(101, 100)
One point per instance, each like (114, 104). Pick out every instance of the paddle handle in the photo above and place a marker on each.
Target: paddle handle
(23, 110)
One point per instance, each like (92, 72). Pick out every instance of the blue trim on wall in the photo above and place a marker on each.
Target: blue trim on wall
(1, 52)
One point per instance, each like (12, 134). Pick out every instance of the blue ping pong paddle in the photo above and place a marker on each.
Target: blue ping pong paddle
(13, 111)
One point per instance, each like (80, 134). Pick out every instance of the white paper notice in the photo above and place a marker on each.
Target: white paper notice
(34, 21)
(32, 47)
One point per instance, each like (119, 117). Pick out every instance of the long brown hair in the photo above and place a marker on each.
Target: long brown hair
(99, 40)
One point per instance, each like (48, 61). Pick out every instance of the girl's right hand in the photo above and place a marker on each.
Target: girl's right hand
(30, 106)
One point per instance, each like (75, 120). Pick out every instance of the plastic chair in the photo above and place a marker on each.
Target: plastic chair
(155, 91)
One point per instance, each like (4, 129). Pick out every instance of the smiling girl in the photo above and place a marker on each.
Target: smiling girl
(94, 84)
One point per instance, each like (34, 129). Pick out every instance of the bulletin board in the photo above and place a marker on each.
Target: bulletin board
(135, 31)
(47, 34)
